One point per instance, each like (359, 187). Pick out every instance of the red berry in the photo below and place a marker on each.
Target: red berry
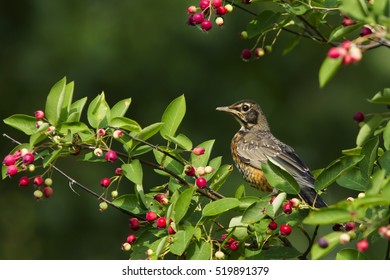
(105, 182)
(9, 160)
(161, 198)
(365, 31)
(234, 245)
(349, 226)
(336, 52)
(131, 238)
(24, 181)
(359, 116)
(39, 114)
(28, 158)
(287, 208)
(134, 224)
(12, 170)
(204, 4)
(111, 156)
(189, 170)
(221, 10)
(346, 44)
(151, 216)
(347, 21)
(198, 18)
(47, 191)
(38, 181)
(198, 151)
(223, 236)
(272, 225)
(323, 243)
(191, 21)
(217, 3)
(246, 1)
(206, 25)
(201, 182)
(171, 230)
(246, 54)
(362, 245)
(161, 222)
(119, 171)
(285, 229)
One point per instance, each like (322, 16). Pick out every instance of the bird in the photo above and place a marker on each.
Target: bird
(254, 144)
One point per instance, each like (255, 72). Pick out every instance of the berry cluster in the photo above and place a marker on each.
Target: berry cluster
(231, 243)
(201, 15)
(201, 171)
(347, 51)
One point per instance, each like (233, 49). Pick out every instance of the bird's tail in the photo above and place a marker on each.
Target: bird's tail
(311, 197)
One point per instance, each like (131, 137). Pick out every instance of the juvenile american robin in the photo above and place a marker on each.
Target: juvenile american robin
(254, 144)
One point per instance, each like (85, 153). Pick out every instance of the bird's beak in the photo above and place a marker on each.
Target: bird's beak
(226, 109)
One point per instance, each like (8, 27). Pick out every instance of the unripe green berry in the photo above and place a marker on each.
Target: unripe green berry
(103, 206)
(126, 246)
(149, 252)
(114, 194)
(38, 194)
(48, 182)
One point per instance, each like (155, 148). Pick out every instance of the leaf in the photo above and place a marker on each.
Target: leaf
(199, 251)
(384, 162)
(220, 176)
(37, 138)
(279, 178)
(353, 180)
(255, 212)
(202, 160)
(291, 45)
(220, 206)
(239, 229)
(23, 123)
(328, 69)
(182, 205)
(333, 240)
(265, 21)
(98, 112)
(335, 170)
(168, 162)
(53, 156)
(181, 140)
(386, 136)
(342, 31)
(128, 202)
(247, 201)
(125, 123)
(133, 171)
(55, 102)
(378, 182)
(381, 97)
(172, 117)
(277, 202)
(240, 192)
(350, 254)
(379, 7)
(181, 239)
(355, 8)
(328, 215)
(76, 109)
(73, 127)
(120, 108)
(216, 164)
(369, 151)
(149, 131)
(368, 129)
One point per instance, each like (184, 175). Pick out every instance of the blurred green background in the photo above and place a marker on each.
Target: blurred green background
(145, 50)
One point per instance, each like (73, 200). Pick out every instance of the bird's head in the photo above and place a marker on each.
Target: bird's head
(248, 113)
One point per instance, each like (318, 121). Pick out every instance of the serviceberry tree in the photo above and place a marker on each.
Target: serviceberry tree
(187, 216)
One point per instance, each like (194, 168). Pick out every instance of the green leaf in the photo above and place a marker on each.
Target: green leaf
(37, 138)
(386, 136)
(277, 203)
(350, 254)
(279, 178)
(379, 7)
(371, 201)
(220, 176)
(342, 31)
(291, 45)
(381, 97)
(125, 123)
(216, 164)
(255, 212)
(23, 123)
(133, 171)
(368, 129)
(181, 239)
(76, 109)
(53, 156)
(378, 182)
(182, 205)
(140, 193)
(264, 22)
(355, 8)
(73, 127)
(328, 215)
(335, 170)
(384, 162)
(333, 240)
(199, 251)
(240, 192)
(149, 131)
(297, 8)
(354, 180)
(181, 140)
(247, 201)
(168, 162)
(239, 229)
(328, 69)
(172, 117)
(202, 160)
(98, 112)
(369, 151)
(120, 108)
(220, 206)
(128, 202)
(55, 102)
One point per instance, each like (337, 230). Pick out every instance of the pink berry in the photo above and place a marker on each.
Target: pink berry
(151, 216)
(161, 222)
(362, 245)
(117, 134)
(359, 116)
(234, 245)
(131, 238)
(171, 230)
(28, 158)
(12, 170)
(201, 182)
(355, 53)
(285, 229)
(105, 182)
(220, 11)
(9, 160)
(198, 151)
(365, 31)
(217, 3)
(323, 243)
(191, 21)
(111, 156)
(39, 114)
(119, 171)
(161, 198)
(246, 54)
(347, 21)
(349, 226)
(191, 10)
(101, 132)
(198, 18)
(294, 202)
(287, 208)
(38, 181)
(189, 170)
(204, 4)
(48, 191)
(206, 25)
(346, 44)
(24, 181)
(336, 52)
(272, 225)
(134, 224)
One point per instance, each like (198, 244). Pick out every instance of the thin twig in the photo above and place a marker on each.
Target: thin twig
(311, 242)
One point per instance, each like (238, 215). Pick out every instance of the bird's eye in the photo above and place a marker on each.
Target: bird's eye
(245, 107)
